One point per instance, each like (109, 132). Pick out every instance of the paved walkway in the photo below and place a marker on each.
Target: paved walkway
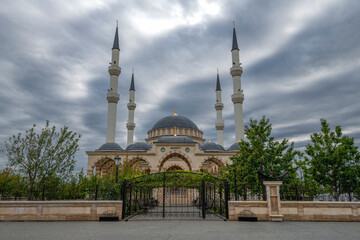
(182, 212)
(171, 230)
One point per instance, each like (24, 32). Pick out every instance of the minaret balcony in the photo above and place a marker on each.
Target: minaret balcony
(219, 126)
(236, 71)
(130, 126)
(219, 106)
(113, 97)
(131, 106)
(237, 98)
(114, 70)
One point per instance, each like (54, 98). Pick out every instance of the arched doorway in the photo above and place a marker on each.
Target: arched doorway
(174, 168)
(104, 166)
(175, 159)
(141, 165)
(212, 165)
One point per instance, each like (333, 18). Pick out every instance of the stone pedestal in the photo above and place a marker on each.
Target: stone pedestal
(273, 200)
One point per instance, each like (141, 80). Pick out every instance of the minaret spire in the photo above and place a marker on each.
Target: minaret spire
(132, 84)
(218, 87)
(131, 106)
(219, 107)
(234, 43)
(238, 96)
(112, 95)
(116, 38)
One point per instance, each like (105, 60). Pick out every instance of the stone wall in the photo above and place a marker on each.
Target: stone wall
(275, 210)
(299, 211)
(321, 211)
(56, 210)
(259, 208)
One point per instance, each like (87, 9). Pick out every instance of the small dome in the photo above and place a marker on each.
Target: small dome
(210, 146)
(110, 146)
(138, 147)
(233, 147)
(175, 121)
(175, 139)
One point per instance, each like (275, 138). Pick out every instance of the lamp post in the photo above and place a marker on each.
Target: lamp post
(117, 163)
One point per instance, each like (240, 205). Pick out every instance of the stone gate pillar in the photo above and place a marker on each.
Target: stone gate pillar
(273, 200)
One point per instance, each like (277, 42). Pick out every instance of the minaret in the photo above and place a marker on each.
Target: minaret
(131, 106)
(219, 107)
(238, 96)
(112, 96)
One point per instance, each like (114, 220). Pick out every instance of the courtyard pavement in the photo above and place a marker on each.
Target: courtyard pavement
(171, 230)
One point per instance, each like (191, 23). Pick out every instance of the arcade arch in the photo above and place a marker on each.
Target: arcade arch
(175, 159)
(103, 166)
(212, 165)
(140, 164)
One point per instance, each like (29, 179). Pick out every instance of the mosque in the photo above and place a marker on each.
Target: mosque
(174, 142)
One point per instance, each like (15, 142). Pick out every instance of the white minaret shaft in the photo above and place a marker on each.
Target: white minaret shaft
(131, 106)
(238, 96)
(219, 107)
(112, 96)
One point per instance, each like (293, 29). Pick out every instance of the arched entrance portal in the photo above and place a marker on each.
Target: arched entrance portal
(175, 159)
(141, 165)
(212, 165)
(103, 166)
(174, 168)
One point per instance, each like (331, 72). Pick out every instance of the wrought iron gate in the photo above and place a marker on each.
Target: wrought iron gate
(175, 195)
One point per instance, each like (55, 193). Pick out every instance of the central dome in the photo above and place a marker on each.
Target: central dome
(174, 121)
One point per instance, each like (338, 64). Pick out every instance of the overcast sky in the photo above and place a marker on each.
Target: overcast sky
(300, 59)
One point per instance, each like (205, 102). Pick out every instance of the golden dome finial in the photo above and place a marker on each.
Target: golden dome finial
(140, 139)
(110, 140)
(117, 23)
(175, 114)
(133, 71)
(209, 139)
(175, 132)
(238, 140)
(233, 24)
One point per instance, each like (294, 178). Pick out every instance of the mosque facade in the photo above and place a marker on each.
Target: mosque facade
(174, 142)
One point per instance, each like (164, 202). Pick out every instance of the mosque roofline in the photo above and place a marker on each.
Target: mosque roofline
(122, 153)
(171, 144)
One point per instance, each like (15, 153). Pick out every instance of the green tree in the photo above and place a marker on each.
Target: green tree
(11, 184)
(41, 156)
(261, 158)
(334, 161)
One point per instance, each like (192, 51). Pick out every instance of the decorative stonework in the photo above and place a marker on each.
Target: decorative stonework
(131, 106)
(236, 71)
(130, 126)
(237, 98)
(156, 134)
(113, 97)
(114, 70)
(219, 126)
(219, 106)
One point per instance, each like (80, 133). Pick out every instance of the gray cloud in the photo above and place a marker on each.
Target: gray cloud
(300, 60)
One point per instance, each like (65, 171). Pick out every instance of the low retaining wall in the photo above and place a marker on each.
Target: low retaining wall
(56, 210)
(321, 211)
(259, 208)
(299, 211)
(275, 210)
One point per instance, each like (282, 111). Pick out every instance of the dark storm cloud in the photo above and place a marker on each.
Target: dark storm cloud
(300, 60)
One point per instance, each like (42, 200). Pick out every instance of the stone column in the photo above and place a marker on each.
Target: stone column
(273, 200)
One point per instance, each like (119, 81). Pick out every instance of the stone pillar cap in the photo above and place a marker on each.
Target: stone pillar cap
(272, 183)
